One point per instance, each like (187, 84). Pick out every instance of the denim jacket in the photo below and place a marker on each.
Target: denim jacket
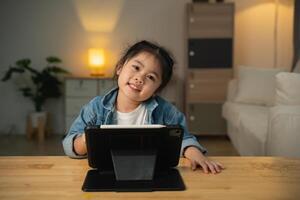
(100, 110)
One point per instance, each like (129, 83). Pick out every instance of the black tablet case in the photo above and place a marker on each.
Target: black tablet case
(133, 159)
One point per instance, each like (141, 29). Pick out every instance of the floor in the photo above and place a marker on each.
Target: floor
(218, 146)
(19, 145)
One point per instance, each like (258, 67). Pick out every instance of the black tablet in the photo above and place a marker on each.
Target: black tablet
(133, 158)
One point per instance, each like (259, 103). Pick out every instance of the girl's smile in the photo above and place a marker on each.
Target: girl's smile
(134, 87)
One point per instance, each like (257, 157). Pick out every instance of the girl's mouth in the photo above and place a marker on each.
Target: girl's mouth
(134, 87)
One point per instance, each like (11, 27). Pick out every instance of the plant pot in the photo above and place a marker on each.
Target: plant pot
(36, 125)
(36, 116)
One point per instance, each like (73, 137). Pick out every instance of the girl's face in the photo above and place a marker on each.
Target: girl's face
(139, 77)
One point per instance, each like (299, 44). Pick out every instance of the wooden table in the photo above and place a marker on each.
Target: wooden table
(59, 177)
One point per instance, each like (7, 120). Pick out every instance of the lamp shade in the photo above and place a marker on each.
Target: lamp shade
(96, 61)
(96, 57)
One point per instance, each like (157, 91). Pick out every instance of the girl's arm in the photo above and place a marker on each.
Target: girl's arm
(191, 149)
(74, 143)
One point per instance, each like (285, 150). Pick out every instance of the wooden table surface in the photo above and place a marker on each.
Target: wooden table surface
(59, 177)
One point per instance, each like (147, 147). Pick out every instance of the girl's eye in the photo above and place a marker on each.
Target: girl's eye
(151, 77)
(136, 67)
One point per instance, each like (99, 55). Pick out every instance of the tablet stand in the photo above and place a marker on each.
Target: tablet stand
(134, 170)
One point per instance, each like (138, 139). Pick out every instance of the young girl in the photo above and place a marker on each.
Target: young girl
(144, 70)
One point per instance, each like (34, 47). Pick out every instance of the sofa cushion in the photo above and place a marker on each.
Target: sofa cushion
(254, 126)
(284, 127)
(287, 89)
(231, 112)
(251, 122)
(256, 85)
(256, 116)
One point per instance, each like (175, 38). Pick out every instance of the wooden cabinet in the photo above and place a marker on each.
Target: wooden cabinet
(204, 118)
(207, 85)
(210, 20)
(205, 94)
(79, 91)
(209, 67)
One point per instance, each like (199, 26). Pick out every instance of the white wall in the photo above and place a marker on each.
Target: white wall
(39, 28)
(255, 36)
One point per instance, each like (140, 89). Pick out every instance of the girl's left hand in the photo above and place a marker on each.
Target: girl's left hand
(198, 159)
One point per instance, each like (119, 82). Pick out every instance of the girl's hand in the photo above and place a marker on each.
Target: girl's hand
(198, 159)
(80, 145)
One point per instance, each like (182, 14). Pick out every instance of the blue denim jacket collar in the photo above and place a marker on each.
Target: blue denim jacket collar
(108, 102)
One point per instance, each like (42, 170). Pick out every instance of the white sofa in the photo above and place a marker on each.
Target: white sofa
(263, 112)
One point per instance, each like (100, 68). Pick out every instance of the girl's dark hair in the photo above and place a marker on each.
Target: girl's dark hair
(160, 53)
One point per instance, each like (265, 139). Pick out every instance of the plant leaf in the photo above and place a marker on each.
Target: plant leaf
(23, 62)
(10, 71)
(53, 59)
(56, 70)
(26, 91)
(34, 71)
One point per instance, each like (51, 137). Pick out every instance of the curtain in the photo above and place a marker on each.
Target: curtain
(296, 33)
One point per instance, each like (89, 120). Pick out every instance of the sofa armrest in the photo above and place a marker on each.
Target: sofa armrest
(283, 137)
(231, 90)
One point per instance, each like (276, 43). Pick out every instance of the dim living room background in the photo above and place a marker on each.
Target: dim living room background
(89, 35)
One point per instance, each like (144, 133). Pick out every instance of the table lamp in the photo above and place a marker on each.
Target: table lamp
(97, 61)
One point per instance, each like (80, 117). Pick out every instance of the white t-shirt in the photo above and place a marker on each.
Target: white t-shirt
(136, 117)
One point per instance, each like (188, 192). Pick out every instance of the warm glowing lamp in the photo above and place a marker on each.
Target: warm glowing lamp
(96, 61)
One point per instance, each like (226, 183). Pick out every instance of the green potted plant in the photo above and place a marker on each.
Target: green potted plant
(42, 85)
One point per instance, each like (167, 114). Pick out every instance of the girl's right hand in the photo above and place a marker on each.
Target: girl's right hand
(80, 145)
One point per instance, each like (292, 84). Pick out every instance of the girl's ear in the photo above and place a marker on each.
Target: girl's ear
(119, 69)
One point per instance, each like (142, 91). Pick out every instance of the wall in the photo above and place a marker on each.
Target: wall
(258, 42)
(39, 28)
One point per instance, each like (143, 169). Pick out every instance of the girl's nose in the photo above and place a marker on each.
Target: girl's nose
(138, 80)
